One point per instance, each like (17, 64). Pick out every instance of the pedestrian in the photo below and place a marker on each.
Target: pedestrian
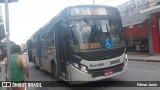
(18, 66)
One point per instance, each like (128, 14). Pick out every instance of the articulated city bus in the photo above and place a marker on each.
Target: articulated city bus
(81, 43)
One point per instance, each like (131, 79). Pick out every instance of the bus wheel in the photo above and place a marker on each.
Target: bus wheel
(55, 70)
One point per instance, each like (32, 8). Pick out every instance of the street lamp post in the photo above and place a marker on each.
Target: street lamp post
(79, 1)
(93, 2)
(8, 39)
(8, 34)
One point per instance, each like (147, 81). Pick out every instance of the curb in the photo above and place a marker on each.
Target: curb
(144, 60)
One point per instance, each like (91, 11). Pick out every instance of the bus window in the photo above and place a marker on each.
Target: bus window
(43, 42)
(50, 38)
(49, 42)
(34, 42)
(115, 32)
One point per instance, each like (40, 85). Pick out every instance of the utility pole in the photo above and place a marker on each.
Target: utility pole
(79, 1)
(93, 2)
(8, 35)
(105, 2)
(8, 41)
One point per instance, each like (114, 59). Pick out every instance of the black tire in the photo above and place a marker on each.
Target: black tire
(55, 70)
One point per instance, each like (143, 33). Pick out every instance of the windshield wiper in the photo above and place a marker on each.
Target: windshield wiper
(87, 22)
(92, 34)
(93, 30)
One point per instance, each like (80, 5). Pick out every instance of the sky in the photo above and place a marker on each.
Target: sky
(27, 16)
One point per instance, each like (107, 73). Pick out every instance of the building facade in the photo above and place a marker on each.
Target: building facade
(141, 20)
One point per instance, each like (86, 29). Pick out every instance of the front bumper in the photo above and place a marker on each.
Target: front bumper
(78, 77)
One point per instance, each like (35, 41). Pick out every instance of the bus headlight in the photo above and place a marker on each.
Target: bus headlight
(125, 59)
(83, 68)
(80, 67)
(75, 65)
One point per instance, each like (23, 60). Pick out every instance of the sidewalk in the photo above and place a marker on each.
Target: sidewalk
(145, 58)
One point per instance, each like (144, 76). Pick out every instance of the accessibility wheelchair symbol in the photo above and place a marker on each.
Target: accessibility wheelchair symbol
(108, 43)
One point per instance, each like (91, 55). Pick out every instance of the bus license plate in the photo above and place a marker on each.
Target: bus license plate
(109, 72)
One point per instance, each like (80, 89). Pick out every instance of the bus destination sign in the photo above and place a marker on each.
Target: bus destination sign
(88, 11)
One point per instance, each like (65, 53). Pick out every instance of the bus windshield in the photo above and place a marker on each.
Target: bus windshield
(95, 34)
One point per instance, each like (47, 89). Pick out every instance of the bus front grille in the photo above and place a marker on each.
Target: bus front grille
(100, 72)
(101, 55)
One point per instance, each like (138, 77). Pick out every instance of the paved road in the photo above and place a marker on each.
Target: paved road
(137, 71)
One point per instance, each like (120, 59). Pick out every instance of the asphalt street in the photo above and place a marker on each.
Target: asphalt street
(137, 71)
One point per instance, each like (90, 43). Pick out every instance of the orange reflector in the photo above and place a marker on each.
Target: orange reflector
(50, 50)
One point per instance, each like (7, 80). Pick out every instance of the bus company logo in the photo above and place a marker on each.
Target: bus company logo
(96, 65)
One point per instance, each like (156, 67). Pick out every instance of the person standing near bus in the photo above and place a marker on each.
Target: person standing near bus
(19, 67)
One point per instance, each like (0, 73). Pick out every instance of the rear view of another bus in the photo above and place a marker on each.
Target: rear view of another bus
(97, 43)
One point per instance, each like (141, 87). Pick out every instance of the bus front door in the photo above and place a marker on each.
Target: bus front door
(62, 51)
